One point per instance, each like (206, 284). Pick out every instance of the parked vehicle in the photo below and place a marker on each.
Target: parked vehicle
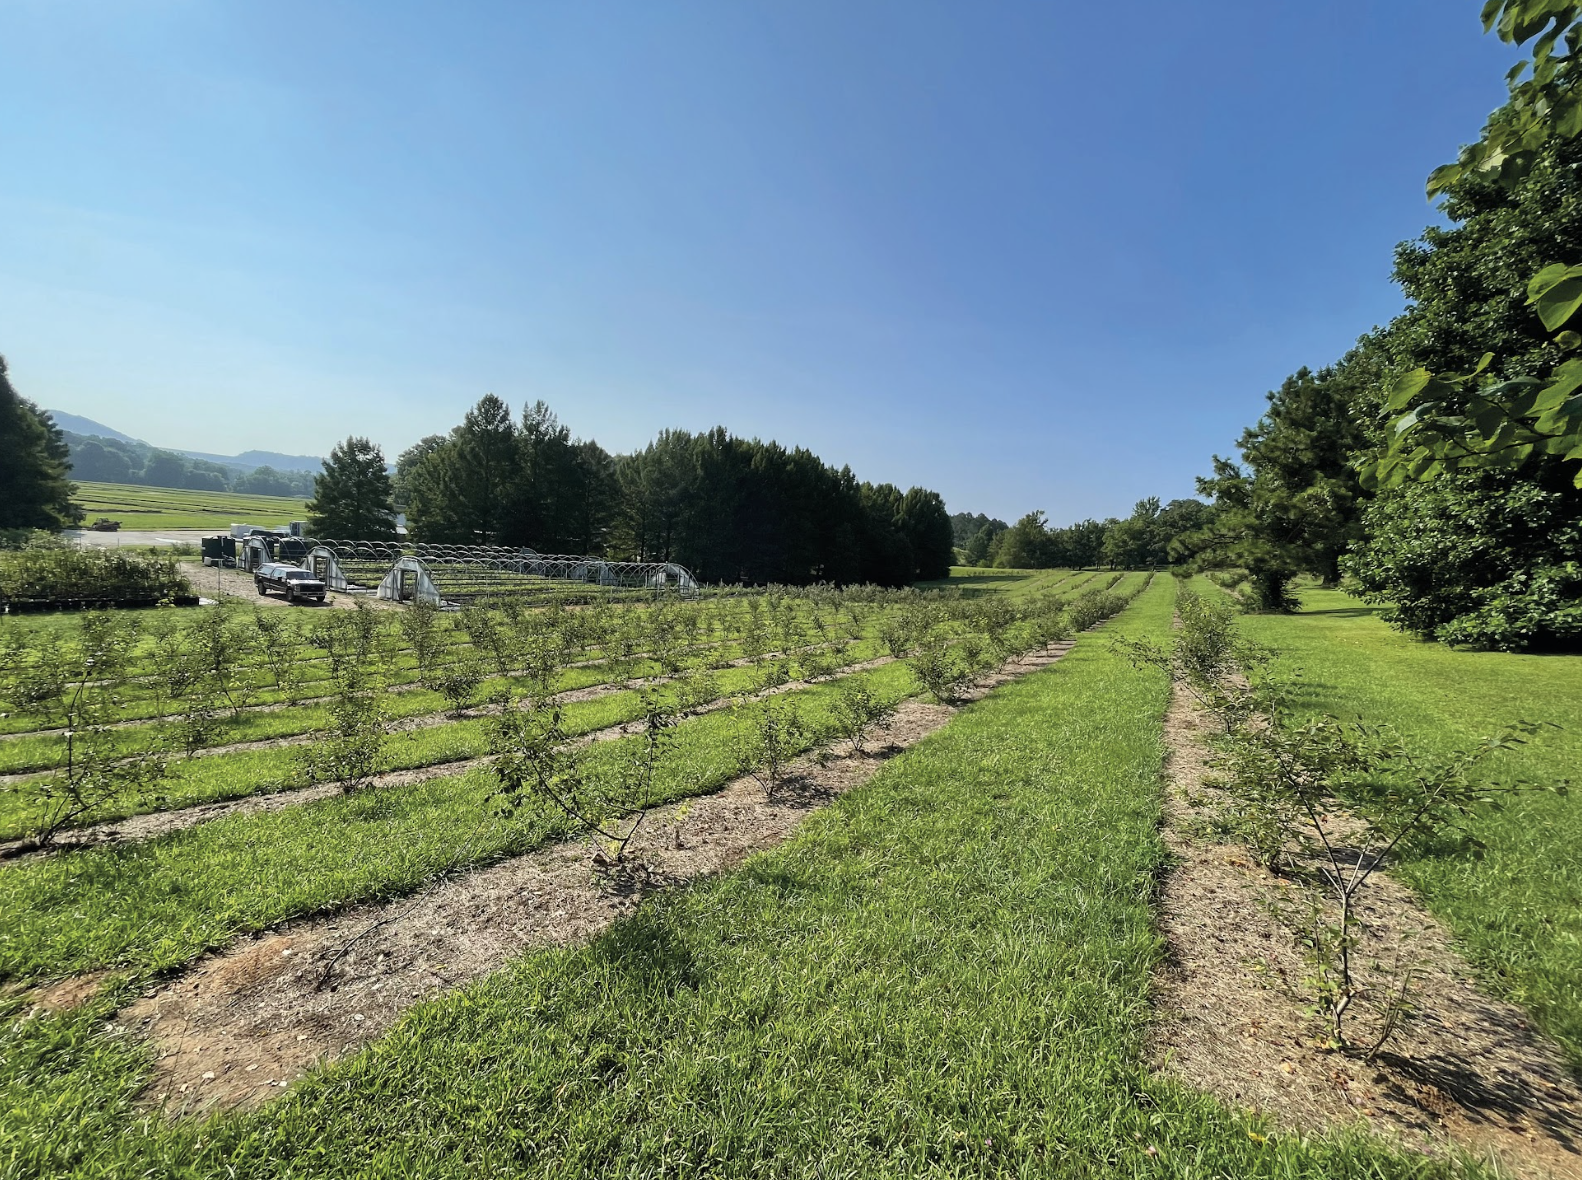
(105, 525)
(296, 584)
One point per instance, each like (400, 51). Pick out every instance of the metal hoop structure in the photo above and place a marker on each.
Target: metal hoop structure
(454, 574)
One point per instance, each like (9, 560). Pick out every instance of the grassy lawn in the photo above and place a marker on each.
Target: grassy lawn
(138, 507)
(1517, 906)
(946, 973)
(1018, 583)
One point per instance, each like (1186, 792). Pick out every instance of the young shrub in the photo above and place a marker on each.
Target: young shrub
(348, 751)
(536, 760)
(540, 657)
(1324, 803)
(938, 670)
(35, 677)
(755, 637)
(664, 642)
(489, 639)
(1334, 801)
(896, 633)
(217, 642)
(176, 677)
(772, 674)
(994, 617)
(458, 682)
(858, 711)
(95, 770)
(695, 689)
(768, 735)
(973, 653)
(280, 646)
(420, 627)
(821, 663)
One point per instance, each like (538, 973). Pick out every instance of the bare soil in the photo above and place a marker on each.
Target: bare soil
(1467, 1070)
(239, 1025)
(228, 582)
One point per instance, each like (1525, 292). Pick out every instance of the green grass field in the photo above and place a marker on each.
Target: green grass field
(175, 508)
(1516, 906)
(1017, 583)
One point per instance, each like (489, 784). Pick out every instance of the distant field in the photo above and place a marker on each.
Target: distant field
(979, 580)
(174, 508)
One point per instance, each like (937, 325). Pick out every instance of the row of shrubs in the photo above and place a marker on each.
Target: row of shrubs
(62, 576)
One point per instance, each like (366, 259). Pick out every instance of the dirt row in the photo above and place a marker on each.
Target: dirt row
(1233, 1019)
(238, 1026)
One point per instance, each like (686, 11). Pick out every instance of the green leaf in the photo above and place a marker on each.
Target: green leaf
(1488, 419)
(1441, 178)
(1556, 291)
(1568, 117)
(1563, 383)
(1406, 387)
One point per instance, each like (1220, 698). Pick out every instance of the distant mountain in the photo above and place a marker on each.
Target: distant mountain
(246, 461)
(250, 459)
(87, 426)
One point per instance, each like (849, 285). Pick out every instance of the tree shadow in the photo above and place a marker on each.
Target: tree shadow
(649, 948)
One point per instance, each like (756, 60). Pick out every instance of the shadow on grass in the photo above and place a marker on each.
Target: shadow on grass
(649, 949)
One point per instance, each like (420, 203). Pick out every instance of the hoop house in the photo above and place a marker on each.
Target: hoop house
(461, 573)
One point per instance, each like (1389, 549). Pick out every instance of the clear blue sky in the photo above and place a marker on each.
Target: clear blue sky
(1032, 255)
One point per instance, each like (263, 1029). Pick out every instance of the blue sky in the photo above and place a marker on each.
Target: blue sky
(1032, 255)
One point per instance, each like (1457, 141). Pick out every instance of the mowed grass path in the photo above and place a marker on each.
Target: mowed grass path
(138, 507)
(946, 973)
(1517, 906)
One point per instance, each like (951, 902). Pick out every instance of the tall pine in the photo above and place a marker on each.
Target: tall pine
(34, 490)
(351, 497)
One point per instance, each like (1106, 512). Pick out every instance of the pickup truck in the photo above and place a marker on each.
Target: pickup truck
(296, 584)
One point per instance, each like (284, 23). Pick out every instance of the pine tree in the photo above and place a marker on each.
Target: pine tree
(351, 498)
(34, 490)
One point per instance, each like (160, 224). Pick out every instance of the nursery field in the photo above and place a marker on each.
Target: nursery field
(142, 508)
(945, 969)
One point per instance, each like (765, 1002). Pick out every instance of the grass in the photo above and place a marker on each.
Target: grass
(1515, 906)
(972, 580)
(138, 507)
(946, 973)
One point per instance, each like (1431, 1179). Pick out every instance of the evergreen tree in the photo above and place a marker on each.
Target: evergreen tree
(351, 498)
(927, 526)
(1295, 508)
(34, 490)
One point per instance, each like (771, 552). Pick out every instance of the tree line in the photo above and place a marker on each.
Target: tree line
(1436, 465)
(730, 509)
(1144, 540)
